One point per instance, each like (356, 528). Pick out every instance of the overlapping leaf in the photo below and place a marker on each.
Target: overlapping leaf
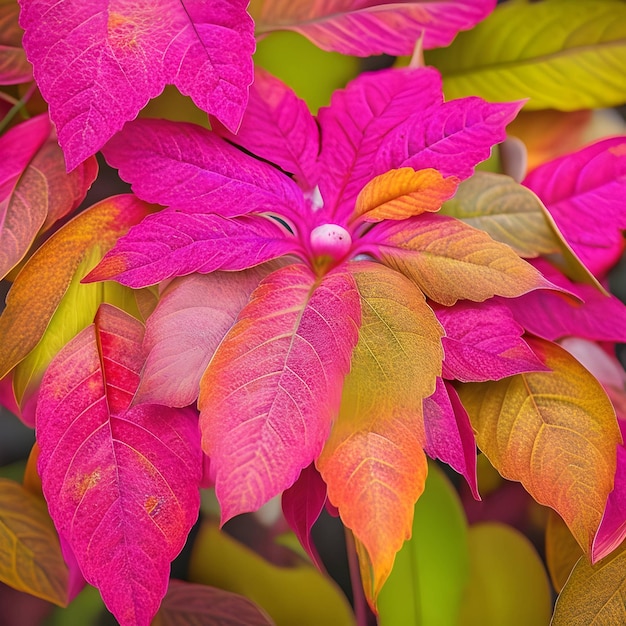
(121, 484)
(450, 260)
(562, 551)
(555, 432)
(272, 388)
(371, 27)
(14, 68)
(373, 462)
(103, 61)
(560, 59)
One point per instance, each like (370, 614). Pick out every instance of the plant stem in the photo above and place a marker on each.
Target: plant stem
(18, 106)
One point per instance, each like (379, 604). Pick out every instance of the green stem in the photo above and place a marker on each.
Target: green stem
(17, 107)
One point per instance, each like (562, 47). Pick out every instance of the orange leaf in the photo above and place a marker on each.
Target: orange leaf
(39, 287)
(373, 462)
(555, 432)
(404, 192)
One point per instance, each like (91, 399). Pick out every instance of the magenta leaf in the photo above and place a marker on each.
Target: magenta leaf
(278, 127)
(449, 435)
(192, 317)
(483, 342)
(551, 315)
(121, 484)
(97, 64)
(189, 167)
(171, 243)
(303, 503)
(369, 27)
(575, 187)
(274, 385)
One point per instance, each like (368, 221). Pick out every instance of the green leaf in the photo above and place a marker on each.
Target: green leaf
(431, 571)
(563, 55)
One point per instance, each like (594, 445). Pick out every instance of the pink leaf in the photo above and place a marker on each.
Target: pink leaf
(278, 127)
(449, 435)
(121, 484)
(368, 27)
(14, 68)
(483, 342)
(192, 317)
(274, 385)
(171, 243)
(303, 503)
(551, 315)
(188, 167)
(97, 64)
(575, 187)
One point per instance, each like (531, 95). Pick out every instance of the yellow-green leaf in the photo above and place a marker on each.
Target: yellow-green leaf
(561, 54)
(562, 551)
(508, 585)
(30, 554)
(555, 432)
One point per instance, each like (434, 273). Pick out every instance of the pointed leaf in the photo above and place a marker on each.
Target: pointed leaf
(40, 286)
(574, 186)
(278, 127)
(594, 594)
(274, 385)
(404, 192)
(171, 243)
(14, 68)
(373, 462)
(132, 472)
(192, 317)
(369, 28)
(562, 551)
(483, 342)
(450, 260)
(562, 60)
(101, 63)
(30, 555)
(186, 604)
(555, 432)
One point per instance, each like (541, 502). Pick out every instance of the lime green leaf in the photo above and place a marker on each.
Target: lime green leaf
(431, 571)
(563, 55)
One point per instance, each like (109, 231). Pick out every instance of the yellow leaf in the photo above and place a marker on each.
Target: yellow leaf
(562, 551)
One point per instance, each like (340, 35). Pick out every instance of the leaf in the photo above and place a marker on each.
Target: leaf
(562, 551)
(271, 390)
(172, 243)
(101, 63)
(507, 580)
(30, 555)
(449, 260)
(290, 595)
(574, 186)
(483, 342)
(186, 604)
(559, 59)
(402, 193)
(594, 593)
(190, 320)
(432, 568)
(134, 472)
(369, 28)
(42, 282)
(449, 435)
(278, 127)
(14, 68)
(555, 432)
(373, 462)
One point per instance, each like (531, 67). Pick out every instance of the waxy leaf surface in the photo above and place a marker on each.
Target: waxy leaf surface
(42, 282)
(555, 432)
(272, 388)
(30, 555)
(579, 187)
(102, 61)
(483, 342)
(560, 59)
(450, 260)
(14, 68)
(121, 484)
(373, 462)
(190, 320)
(366, 27)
